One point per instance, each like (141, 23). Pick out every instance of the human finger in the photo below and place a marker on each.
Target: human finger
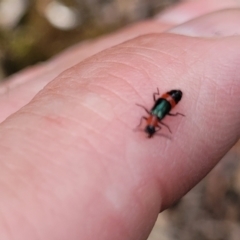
(74, 155)
(188, 10)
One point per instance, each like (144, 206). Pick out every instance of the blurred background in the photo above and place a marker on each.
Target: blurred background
(32, 31)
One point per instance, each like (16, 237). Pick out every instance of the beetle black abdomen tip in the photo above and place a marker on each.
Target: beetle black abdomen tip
(150, 130)
(176, 95)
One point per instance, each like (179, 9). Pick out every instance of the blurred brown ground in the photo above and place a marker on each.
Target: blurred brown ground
(210, 211)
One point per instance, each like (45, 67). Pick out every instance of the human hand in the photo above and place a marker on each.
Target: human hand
(71, 166)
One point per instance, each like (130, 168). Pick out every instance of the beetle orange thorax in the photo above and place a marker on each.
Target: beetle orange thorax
(170, 99)
(152, 121)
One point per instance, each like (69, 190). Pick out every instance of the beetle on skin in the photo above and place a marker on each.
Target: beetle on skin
(162, 107)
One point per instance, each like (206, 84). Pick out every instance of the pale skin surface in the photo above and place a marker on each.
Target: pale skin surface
(72, 168)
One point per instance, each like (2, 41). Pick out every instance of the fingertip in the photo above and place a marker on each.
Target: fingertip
(188, 10)
(217, 24)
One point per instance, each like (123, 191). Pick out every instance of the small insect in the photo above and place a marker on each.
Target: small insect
(161, 108)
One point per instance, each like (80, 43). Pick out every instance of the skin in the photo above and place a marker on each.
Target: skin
(72, 168)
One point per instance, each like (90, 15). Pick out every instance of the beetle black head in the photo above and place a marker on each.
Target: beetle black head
(176, 95)
(150, 130)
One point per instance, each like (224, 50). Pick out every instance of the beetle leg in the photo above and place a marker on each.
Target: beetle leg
(143, 108)
(159, 128)
(145, 118)
(164, 124)
(154, 95)
(175, 114)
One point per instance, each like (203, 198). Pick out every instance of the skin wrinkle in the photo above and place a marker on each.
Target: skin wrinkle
(124, 123)
(171, 48)
(82, 124)
(108, 90)
(124, 64)
(125, 81)
(40, 130)
(65, 77)
(197, 60)
(80, 69)
(73, 97)
(116, 116)
(140, 68)
(154, 50)
(88, 78)
(31, 165)
(20, 153)
(145, 59)
(44, 132)
(97, 147)
(85, 140)
(88, 128)
(41, 151)
(17, 171)
(121, 78)
(98, 133)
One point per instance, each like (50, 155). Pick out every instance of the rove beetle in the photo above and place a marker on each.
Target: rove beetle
(161, 108)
